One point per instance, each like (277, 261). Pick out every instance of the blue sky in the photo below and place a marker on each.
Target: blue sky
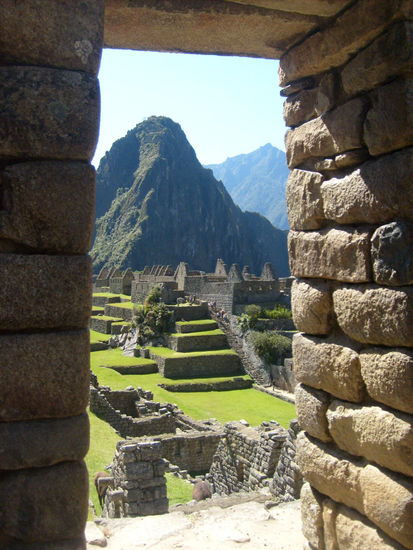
(225, 105)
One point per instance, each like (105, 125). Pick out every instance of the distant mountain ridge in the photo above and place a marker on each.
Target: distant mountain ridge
(156, 204)
(256, 182)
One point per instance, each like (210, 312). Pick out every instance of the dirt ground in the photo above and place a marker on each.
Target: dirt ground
(244, 526)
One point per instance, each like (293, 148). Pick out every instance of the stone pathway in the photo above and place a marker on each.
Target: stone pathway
(248, 526)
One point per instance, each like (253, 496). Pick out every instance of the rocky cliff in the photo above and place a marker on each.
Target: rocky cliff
(155, 204)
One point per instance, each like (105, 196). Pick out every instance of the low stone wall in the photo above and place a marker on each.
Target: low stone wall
(139, 485)
(192, 451)
(100, 324)
(198, 366)
(288, 480)
(191, 312)
(223, 385)
(198, 343)
(246, 457)
(126, 425)
(123, 313)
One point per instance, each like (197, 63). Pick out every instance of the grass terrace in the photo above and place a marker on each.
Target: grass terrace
(96, 337)
(193, 334)
(167, 352)
(111, 295)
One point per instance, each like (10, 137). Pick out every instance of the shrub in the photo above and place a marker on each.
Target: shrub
(154, 296)
(279, 312)
(151, 321)
(243, 322)
(253, 311)
(270, 346)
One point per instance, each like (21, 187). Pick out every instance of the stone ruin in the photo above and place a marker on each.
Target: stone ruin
(345, 69)
(137, 486)
(231, 289)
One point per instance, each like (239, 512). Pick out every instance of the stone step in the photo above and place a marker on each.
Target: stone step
(103, 299)
(197, 364)
(185, 327)
(198, 341)
(123, 310)
(190, 312)
(102, 323)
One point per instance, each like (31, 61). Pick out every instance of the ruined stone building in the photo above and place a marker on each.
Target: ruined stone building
(346, 75)
(230, 289)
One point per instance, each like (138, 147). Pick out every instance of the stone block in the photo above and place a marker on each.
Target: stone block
(42, 443)
(48, 206)
(335, 132)
(44, 292)
(311, 408)
(342, 254)
(350, 158)
(384, 497)
(312, 306)
(328, 364)
(381, 436)
(67, 34)
(355, 532)
(389, 122)
(371, 193)
(329, 524)
(44, 375)
(391, 254)
(48, 113)
(310, 103)
(304, 203)
(312, 516)
(389, 55)
(339, 41)
(375, 315)
(388, 375)
(45, 504)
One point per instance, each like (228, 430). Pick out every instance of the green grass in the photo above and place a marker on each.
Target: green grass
(198, 322)
(173, 382)
(114, 358)
(192, 334)
(166, 352)
(250, 404)
(106, 318)
(125, 305)
(111, 295)
(98, 337)
(179, 491)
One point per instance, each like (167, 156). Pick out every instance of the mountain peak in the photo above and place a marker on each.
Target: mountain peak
(157, 205)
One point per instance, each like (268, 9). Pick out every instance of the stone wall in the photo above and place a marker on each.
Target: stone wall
(49, 120)
(138, 486)
(349, 104)
(127, 425)
(246, 457)
(288, 480)
(192, 451)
